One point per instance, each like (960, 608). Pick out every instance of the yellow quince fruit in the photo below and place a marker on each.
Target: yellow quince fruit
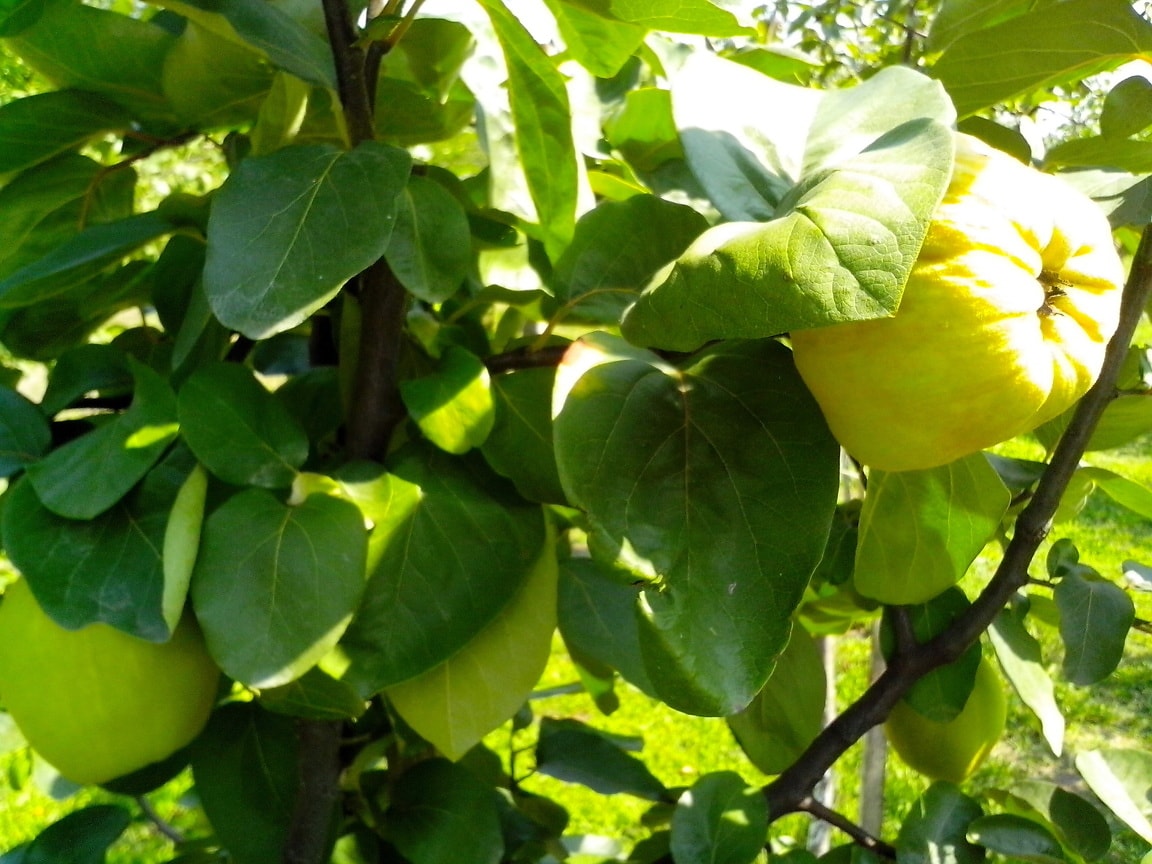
(97, 703)
(953, 750)
(1002, 326)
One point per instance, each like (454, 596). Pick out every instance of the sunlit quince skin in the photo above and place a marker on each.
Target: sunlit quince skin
(953, 750)
(97, 703)
(1002, 325)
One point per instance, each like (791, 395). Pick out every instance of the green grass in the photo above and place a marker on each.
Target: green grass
(679, 749)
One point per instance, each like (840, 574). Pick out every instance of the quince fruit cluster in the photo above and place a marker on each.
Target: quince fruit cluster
(1002, 325)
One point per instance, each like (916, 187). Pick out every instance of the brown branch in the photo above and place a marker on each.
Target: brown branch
(526, 359)
(838, 820)
(789, 790)
(350, 71)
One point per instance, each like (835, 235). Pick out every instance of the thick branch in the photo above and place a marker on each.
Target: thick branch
(350, 71)
(788, 791)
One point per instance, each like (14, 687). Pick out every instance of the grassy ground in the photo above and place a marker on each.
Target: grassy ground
(679, 749)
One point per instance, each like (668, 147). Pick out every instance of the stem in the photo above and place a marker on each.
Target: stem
(859, 836)
(788, 792)
(162, 825)
(317, 792)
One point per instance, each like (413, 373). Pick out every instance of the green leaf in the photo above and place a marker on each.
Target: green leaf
(1095, 617)
(543, 121)
(314, 695)
(245, 768)
(597, 620)
(460, 701)
(1019, 654)
(440, 812)
(1000, 137)
(1127, 108)
(264, 272)
(88, 475)
(1017, 837)
(935, 829)
(18, 15)
(106, 569)
(1050, 45)
(182, 543)
(600, 45)
(700, 17)
(1125, 419)
(281, 114)
(617, 248)
(1122, 779)
(76, 45)
(46, 205)
(643, 129)
(715, 483)
(275, 586)
(573, 752)
(79, 258)
(454, 546)
(957, 18)
(1077, 823)
(956, 510)
(81, 837)
(941, 694)
(788, 713)
(453, 405)
(1121, 154)
(431, 243)
(1127, 493)
(519, 446)
(721, 819)
(36, 128)
(289, 45)
(24, 433)
(843, 207)
(240, 431)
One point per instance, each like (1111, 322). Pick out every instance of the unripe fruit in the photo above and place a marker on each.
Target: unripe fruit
(1002, 326)
(953, 750)
(95, 702)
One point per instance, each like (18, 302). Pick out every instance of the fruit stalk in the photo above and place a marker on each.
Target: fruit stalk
(788, 792)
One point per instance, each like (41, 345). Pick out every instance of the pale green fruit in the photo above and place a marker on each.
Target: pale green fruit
(1002, 326)
(97, 703)
(953, 750)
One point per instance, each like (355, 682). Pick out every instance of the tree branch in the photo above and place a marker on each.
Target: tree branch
(838, 820)
(791, 788)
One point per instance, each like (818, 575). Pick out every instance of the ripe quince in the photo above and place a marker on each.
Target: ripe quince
(953, 750)
(97, 703)
(1002, 325)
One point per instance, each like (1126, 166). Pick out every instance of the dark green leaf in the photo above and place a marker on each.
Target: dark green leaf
(956, 509)
(519, 446)
(1019, 654)
(1122, 154)
(315, 695)
(846, 211)
(957, 18)
(244, 765)
(454, 545)
(1000, 137)
(543, 120)
(240, 431)
(788, 713)
(1077, 822)
(18, 15)
(721, 819)
(89, 475)
(1095, 617)
(275, 585)
(597, 619)
(106, 569)
(24, 433)
(1122, 779)
(715, 483)
(113, 55)
(452, 406)
(264, 272)
(266, 26)
(81, 837)
(36, 128)
(1019, 838)
(431, 243)
(79, 258)
(1127, 108)
(936, 828)
(575, 753)
(1050, 45)
(617, 248)
(440, 812)
(643, 129)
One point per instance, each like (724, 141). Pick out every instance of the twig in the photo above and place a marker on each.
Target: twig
(526, 359)
(838, 820)
(162, 825)
(786, 793)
